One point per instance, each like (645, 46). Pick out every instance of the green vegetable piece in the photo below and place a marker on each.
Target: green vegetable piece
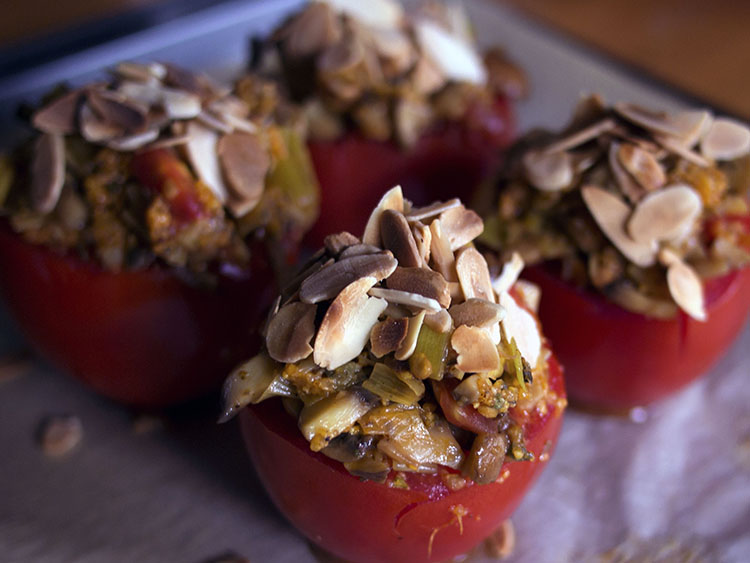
(428, 359)
(389, 385)
(517, 363)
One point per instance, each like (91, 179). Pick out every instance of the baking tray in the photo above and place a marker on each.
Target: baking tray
(670, 483)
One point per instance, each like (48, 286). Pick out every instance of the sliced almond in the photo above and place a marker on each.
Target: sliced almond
(394, 46)
(387, 14)
(423, 238)
(642, 165)
(392, 199)
(504, 76)
(530, 293)
(432, 210)
(611, 214)
(686, 289)
(474, 275)
(455, 58)
(665, 214)
(476, 312)
(674, 145)
(312, 30)
(511, 270)
(581, 137)
(59, 116)
(406, 349)
(290, 331)
(546, 171)
(521, 325)
(423, 281)
(140, 71)
(148, 94)
(406, 298)
(651, 120)
(245, 163)
(397, 237)
(337, 243)
(426, 77)
(202, 153)
(692, 125)
(47, 172)
(94, 129)
(412, 117)
(327, 282)
(476, 352)
(461, 226)
(726, 139)
(345, 329)
(213, 122)
(386, 336)
(627, 184)
(117, 110)
(441, 253)
(359, 250)
(133, 142)
(439, 322)
(179, 104)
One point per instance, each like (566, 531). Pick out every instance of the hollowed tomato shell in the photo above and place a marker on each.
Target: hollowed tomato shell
(144, 338)
(449, 161)
(364, 521)
(615, 359)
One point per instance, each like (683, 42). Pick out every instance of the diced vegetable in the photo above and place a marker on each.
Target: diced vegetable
(253, 382)
(322, 421)
(428, 359)
(486, 458)
(389, 385)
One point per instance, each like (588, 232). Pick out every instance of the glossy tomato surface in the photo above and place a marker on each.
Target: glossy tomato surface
(615, 359)
(144, 338)
(364, 521)
(447, 162)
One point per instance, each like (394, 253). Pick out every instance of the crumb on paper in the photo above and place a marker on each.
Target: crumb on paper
(58, 435)
(501, 543)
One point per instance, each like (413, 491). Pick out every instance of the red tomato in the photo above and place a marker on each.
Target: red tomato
(448, 162)
(145, 337)
(365, 521)
(615, 359)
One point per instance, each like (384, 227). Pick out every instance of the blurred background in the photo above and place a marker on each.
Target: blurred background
(702, 48)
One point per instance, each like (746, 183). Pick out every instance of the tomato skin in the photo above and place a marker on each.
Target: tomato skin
(616, 359)
(143, 338)
(447, 162)
(364, 521)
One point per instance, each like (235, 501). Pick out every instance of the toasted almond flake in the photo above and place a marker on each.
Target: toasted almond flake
(213, 122)
(309, 32)
(141, 72)
(167, 142)
(548, 172)
(290, 331)
(423, 281)
(530, 293)
(406, 298)
(426, 77)
(117, 110)
(387, 336)
(423, 238)
(392, 199)
(511, 270)
(441, 253)
(394, 46)
(504, 76)
(202, 153)
(47, 172)
(686, 289)
(359, 250)
(611, 214)
(406, 349)
(179, 104)
(455, 58)
(726, 139)
(94, 129)
(521, 325)
(642, 165)
(397, 237)
(149, 94)
(627, 184)
(133, 142)
(338, 242)
(673, 145)
(60, 434)
(654, 121)
(245, 163)
(327, 282)
(581, 137)
(665, 214)
(474, 275)
(439, 322)
(59, 116)
(461, 226)
(692, 125)
(432, 210)
(412, 117)
(476, 352)
(376, 13)
(476, 312)
(345, 329)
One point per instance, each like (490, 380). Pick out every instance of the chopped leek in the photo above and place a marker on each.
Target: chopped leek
(389, 385)
(428, 359)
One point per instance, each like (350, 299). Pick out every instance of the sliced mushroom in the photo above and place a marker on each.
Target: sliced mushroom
(665, 214)
(245, 163)
(406, 349)
(627, 184)
(345, 329)
(611, 214)
(387, 336)
(441, 253)
(397, 237)
(455, 58)
(476, 312)
(47, 172)
(726, 139)
(392, 199)
(475, 349)
(59, 116)
(642, 165)
(686, 289)
(327, 282)
(546, 171)
(511, 270)
(461, 226)
(521, 326)
(474, 275)
(423, 281)
(406, 298)
(202, 153)
(290, 331)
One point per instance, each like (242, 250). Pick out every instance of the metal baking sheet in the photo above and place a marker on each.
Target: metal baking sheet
(671, 483)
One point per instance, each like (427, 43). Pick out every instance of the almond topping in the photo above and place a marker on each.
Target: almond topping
(653, 121)
(202, 154)
(392, 199)
(581, 136)
(397, 238)
(422, 281)
(94, 129)
(327, 282)
(665, 214)
(337, 243)
(520, 325)
(727, 139)
(245, 163)
(346, 327)
(376, 13)
(133, 142)
(290, 331)
(461, 226)
(686, 289)
(406, 298)
(359, 250)
(387, 336)
(439, 322)
(530, 293)
(675, 146)
(477, 312)
(47, 172)
(692, 125)
(406, 349)
(611, 213)
(628, 186)
(474, 275)
(642, 165)
(59, 116)
(423, 238)
(548, 172)
(117, 110)
(476, 352)
(432, 210)
(311, 31)
(456, 59)
(179, 104)
(441, 253)
(511, 270)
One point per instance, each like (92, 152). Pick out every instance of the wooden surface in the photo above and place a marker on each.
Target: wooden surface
(701, 47)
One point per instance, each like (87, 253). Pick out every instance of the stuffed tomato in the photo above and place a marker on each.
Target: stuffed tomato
(638, 227)
(142, 226)
(404, 401)
(393, 98)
